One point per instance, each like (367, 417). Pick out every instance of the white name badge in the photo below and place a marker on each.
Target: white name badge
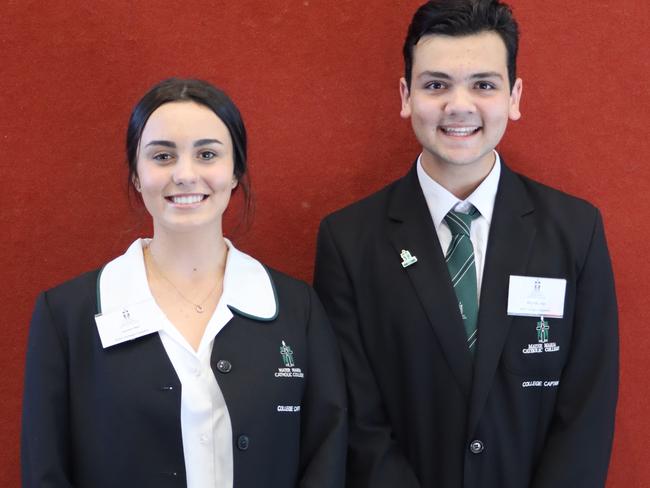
(531, 296)
(126, 324)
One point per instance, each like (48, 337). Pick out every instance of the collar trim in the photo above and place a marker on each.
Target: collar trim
(99, 293)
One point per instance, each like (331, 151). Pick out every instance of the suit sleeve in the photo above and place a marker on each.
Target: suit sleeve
(45, 454)
(577, 451)
(374, 459)
(324, 417)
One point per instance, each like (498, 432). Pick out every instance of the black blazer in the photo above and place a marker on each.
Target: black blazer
(422, 413)
(95, 417)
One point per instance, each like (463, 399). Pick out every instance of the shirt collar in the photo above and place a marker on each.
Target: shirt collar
(247, 286)
(440, 200)
(248, 289)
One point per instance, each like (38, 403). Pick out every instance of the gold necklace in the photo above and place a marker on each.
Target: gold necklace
(198, 307)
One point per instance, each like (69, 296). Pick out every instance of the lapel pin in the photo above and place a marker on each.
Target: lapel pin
(407, 258)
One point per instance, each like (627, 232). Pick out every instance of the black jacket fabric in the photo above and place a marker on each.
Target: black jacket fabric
(110, 418)
(422, 413)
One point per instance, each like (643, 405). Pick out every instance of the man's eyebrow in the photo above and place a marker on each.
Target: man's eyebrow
(161, 143)
(205, 142)
(434, 74)
(486, 74)
(444, 76)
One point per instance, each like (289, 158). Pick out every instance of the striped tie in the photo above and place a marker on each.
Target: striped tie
(460, 261)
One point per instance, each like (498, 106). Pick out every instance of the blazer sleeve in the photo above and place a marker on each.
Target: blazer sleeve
(577, 451)
(374, 459)
(45, 452)
(323, 429)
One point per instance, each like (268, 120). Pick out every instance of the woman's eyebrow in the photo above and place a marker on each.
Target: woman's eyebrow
(161, 143)
(203, 142)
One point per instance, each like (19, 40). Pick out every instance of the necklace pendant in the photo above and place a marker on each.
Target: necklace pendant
(198, 308)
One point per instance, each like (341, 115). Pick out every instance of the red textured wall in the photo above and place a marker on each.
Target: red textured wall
(316, 81)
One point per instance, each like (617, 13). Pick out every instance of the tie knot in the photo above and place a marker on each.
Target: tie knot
(460, 223)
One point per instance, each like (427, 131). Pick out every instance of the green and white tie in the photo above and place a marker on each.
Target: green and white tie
(460, 262)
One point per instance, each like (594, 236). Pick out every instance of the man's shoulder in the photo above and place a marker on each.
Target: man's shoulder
(367, 208)
(554, 199)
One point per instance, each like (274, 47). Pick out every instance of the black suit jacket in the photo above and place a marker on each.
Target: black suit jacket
(422, 413)
(110, 418)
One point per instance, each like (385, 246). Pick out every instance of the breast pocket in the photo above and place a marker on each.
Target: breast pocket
(536, 347)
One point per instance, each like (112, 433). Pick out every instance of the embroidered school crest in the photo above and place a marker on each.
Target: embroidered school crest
(542, 331)
(287, 355)
(289, 370)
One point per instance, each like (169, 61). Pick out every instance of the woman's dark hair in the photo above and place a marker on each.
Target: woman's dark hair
(463, 18)
(203, 93)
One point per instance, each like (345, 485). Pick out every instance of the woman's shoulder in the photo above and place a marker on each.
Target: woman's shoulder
(284, 283)
(75, 290)
(251, 281)
(86, 285)
(294, 295)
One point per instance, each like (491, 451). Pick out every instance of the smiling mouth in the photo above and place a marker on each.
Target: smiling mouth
(460, 131)
(186, 199)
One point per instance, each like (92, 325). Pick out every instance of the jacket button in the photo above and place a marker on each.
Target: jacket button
(476, 447)
(243, 442)
(224, 366)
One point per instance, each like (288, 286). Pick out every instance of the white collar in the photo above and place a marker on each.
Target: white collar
(440, 200)
(248, 289)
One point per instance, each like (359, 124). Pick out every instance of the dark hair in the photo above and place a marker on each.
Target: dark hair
(463, 18)
(203, 93)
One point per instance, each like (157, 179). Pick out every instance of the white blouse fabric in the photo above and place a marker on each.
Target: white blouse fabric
(205, 422)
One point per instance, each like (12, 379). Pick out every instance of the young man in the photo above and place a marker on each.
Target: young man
(474, 307)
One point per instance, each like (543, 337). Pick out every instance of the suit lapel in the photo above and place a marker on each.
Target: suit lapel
(512, 232)
(411, 229)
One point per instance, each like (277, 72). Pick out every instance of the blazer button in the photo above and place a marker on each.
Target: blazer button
(243, 442)
(476, 446)
(224, 366)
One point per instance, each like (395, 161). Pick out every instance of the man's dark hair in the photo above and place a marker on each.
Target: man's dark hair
(463, 18)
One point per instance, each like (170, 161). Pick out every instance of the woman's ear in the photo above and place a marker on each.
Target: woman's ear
(136, 184)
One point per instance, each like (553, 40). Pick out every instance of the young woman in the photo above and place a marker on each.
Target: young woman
(183, 362)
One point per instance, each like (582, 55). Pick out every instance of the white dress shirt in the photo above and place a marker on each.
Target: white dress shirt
(440, 201)
(205, 421)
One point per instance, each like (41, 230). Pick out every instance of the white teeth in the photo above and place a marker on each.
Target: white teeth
(187, 199)
(459, 131)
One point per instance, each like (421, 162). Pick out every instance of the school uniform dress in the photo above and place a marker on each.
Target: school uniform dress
(525, 410)
(116, 397)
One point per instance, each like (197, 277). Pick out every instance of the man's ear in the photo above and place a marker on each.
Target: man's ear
(405, 95)
(515, 98)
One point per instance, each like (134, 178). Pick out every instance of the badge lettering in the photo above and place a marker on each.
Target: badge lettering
(126, 324)
(540, 384)
(288, 408)
(531, 296)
